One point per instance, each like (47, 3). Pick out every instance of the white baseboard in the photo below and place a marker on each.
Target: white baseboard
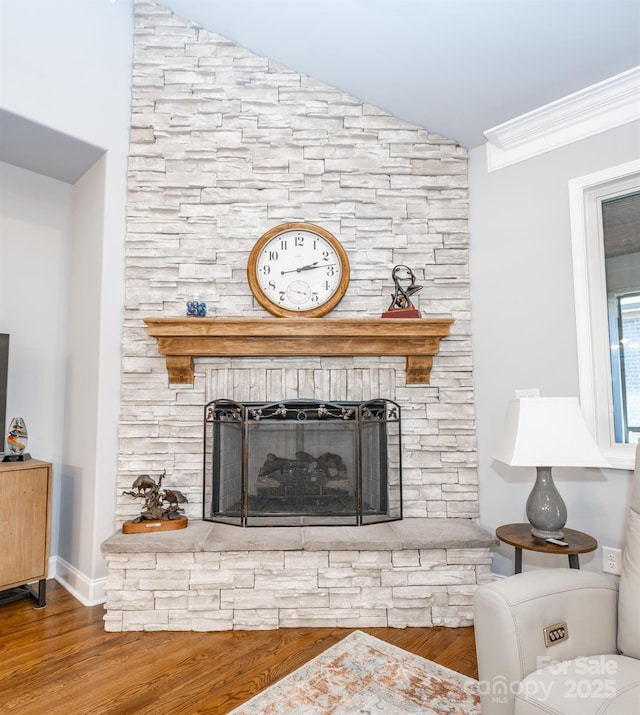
(90, 592)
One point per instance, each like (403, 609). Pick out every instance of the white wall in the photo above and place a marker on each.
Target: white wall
(70, 70)
(34, 256)
(80, 511)
(70, 65)
(523, 325)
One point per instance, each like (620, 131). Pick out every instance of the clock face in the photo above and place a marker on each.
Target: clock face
(298, 269)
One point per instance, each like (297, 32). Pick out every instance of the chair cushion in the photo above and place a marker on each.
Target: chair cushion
(605, 684)
(628, 620)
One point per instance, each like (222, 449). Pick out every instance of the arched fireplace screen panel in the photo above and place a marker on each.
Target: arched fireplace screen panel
(302, 463)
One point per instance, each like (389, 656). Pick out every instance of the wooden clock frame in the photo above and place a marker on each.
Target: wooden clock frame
(277, 310)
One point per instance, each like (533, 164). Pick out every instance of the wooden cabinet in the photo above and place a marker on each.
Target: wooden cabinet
(25, 518)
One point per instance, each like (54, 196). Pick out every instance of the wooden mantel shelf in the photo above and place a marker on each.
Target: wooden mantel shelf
(182, 339)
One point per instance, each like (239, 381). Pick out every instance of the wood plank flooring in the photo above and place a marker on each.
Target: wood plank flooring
(59, 660)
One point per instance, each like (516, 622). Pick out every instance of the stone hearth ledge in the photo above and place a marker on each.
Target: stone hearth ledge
(205, 536)
(211, 577)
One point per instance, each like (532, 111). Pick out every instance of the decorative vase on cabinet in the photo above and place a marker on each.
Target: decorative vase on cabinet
(17, 439)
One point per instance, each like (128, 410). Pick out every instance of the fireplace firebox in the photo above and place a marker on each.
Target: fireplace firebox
(302, 462)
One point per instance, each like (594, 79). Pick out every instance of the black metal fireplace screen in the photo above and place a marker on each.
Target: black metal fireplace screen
(302, 463)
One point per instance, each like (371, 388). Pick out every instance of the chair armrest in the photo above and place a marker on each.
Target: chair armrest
(510, 616)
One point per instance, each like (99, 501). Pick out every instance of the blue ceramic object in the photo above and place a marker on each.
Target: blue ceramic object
(196, 308)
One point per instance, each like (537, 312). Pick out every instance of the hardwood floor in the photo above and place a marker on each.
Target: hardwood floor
(60, 660)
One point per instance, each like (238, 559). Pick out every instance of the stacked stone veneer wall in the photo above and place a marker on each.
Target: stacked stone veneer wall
(224, 146)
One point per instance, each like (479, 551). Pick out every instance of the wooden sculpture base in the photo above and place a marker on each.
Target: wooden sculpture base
(151, 526)
(402, 313)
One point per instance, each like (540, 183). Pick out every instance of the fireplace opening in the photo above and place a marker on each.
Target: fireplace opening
(302, 463)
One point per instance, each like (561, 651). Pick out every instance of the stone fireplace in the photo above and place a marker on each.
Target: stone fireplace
(224, 145)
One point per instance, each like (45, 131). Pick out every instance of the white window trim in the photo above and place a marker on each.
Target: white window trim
(592, 333)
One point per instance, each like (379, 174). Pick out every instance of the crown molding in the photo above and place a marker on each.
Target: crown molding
(600, 107)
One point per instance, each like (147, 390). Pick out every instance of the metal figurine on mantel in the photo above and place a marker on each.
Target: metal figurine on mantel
(161, 510)
(401, 305)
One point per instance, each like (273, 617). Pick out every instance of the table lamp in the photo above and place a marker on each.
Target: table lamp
(546, 432)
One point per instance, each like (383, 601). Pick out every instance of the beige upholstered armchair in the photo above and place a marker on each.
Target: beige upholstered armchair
(563, 640)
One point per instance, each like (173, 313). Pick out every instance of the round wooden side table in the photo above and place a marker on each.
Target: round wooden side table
(520, 536)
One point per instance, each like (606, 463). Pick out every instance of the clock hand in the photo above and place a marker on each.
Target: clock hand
(303, 268)
(307, 267)
(315, 265)
(310, 267)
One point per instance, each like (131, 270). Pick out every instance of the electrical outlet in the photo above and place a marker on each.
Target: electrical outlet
(529, 392)
(611, 560)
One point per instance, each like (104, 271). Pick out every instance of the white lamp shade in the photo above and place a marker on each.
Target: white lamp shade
(547, 432)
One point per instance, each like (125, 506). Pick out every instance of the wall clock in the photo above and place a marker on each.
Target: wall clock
(298, 270)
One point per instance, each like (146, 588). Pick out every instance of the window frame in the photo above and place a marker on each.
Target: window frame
(586, 194)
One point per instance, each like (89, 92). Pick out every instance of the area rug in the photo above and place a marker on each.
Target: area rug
(362, 674)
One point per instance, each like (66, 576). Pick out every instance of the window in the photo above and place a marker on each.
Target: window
(605, 229)
(624, 324)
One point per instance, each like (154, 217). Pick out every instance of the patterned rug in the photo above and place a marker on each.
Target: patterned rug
(362, 675)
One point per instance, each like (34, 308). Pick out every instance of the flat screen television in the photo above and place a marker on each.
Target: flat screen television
(4, 371)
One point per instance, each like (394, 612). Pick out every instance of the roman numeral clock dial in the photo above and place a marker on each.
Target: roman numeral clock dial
(298, 269)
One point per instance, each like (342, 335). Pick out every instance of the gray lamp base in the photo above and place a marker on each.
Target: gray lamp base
(546, 510)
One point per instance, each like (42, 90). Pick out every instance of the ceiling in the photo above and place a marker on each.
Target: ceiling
(455, 67)
(35, 147)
